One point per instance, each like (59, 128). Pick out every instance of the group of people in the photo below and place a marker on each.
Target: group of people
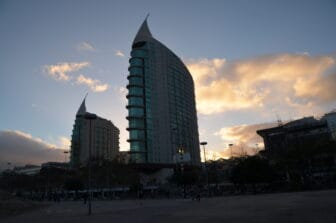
(196, 193)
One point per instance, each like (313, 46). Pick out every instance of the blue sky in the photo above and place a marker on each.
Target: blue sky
(222, 42)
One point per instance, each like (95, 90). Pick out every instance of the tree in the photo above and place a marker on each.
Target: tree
(251, 170)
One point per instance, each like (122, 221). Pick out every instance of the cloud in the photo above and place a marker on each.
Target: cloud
(94, 84)
(119, 53)
(21, 148)
(64, 143)
(273, 82)
(122, 91)
(60, 71)
(213, 155)
(85, 46)
(243, 137)
(30, 137)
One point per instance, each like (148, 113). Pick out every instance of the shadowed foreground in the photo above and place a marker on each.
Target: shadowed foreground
(319, 206)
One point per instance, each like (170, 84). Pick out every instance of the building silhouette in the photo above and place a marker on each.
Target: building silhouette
(161, 104)
(301, 133)
(330, 118)
(303, 151)
(104, 139)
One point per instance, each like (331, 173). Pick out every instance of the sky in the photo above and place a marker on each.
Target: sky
(253, 62)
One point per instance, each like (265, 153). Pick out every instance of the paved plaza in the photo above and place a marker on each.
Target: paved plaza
(317, 206)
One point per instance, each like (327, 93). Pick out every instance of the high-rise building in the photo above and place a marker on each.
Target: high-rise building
(104, 139)
(161, 104)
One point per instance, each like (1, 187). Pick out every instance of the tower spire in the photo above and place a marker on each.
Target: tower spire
(82, 107)
(143, 33)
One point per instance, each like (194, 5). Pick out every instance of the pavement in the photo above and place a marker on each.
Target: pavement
(307, 207)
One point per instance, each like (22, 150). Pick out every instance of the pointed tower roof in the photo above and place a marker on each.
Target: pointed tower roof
(143, 33)
(82, 108)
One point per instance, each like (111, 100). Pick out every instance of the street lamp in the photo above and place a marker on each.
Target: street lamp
(90, 117)
(65, 156)
(205, 167)
(181, 151)
(8, 179)
(230, 146)
(9, 164)
(203, 144)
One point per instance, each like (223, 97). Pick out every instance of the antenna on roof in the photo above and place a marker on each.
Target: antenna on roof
(147, 16)
(279, 120)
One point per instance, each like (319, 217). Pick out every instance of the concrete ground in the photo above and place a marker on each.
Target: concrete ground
(307, 207)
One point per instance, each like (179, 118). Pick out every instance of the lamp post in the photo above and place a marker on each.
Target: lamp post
(181, 151)
(9, 165)
(203, 144)
(230, 146)
(65, 156)
(206, 169)
(90, 117)
(9, 178)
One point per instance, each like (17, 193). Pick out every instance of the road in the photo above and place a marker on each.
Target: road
(307, 207)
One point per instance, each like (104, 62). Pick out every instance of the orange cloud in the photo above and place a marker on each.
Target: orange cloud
(213, 155)
(284, 80)
(60, 71)
(64, 142)
(119, 53)
(243, 137)
(95, 85)
(85, 46)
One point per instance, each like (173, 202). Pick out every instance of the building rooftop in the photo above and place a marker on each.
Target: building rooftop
(143, 33)
(82, 108)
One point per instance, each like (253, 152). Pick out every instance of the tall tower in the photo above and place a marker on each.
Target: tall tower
(161, 104)
(104, 139)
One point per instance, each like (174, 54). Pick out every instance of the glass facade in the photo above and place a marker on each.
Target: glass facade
(75, 143)
(161, 103)
(136, 103)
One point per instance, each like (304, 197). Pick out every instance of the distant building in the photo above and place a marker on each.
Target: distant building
(306, 150)
(27, 169)
(104, 139)
(161, 104)
(300, 133)
(55, 165)
(124, 157)
(330, 118)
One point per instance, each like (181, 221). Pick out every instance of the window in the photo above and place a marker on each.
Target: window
(137, 134)
(137, 146)
(137, 112)
(136, 123)
(135, 70)
(136, 61)
(135, 101)
(135, 91)
(138, 53)
(139, 44)
(135, 80)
